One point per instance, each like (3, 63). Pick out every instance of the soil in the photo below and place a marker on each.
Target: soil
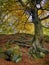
(26, 59)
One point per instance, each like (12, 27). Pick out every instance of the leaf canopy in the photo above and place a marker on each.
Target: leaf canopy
(13, 16)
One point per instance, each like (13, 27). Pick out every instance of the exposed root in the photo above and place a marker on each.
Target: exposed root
(38, 51)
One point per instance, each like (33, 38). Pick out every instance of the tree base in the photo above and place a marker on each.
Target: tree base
(38, 51)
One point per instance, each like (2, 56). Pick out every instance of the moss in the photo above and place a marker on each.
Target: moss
(46, 38)
(14, 54)
(11, 54)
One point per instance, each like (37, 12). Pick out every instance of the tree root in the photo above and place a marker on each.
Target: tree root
(38, 51)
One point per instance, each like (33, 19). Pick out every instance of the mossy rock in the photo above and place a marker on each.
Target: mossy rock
(12, 54)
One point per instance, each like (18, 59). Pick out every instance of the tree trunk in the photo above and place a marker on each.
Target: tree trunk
(38, 38)
(38, 29)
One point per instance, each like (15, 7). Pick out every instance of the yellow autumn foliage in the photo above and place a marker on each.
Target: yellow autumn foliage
(26, 28)
(39, 12)
(29, 28)
(17, 19)
(46, 5)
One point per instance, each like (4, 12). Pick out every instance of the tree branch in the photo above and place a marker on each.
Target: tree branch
(44, 18)
(43, 9)
(26, 7)
(45, 27)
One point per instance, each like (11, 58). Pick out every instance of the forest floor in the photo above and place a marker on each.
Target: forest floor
(26, 60)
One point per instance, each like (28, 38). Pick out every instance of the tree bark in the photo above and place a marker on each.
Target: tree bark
(38, 27)
(39, 38)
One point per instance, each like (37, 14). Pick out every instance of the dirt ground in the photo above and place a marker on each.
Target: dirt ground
(26, 60)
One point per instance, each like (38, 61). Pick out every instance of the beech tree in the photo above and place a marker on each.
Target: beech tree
(32, 7)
